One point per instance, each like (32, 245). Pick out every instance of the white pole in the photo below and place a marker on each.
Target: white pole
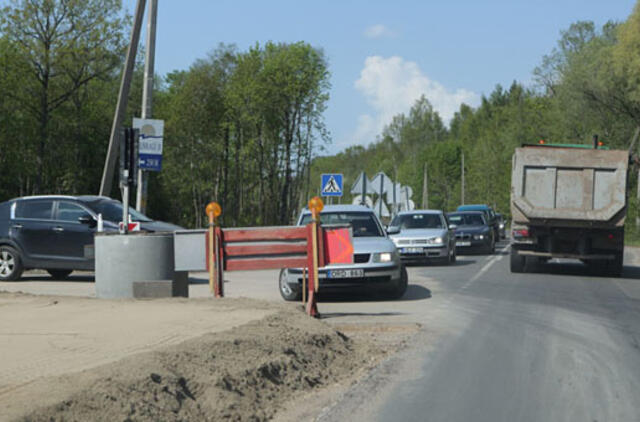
(147, 96)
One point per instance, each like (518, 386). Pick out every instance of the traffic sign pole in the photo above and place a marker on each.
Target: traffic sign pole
(147, 97)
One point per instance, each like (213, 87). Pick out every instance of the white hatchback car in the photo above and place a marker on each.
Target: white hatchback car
(376, 264)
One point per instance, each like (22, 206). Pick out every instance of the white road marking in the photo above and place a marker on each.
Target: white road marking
(492, 260)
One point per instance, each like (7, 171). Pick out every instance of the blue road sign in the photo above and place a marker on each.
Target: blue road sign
(150, 153)
(150, 162)
(331, 185)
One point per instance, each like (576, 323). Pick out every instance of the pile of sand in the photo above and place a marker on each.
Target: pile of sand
(246, 373)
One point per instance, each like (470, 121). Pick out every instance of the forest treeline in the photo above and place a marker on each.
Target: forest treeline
(241, 127)
(588, 84)
(246, 127)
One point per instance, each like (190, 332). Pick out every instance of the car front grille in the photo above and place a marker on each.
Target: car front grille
(463, 236)
(404, 242)
(361, 258)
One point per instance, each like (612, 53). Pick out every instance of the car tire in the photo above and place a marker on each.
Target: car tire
(400, 289)
(517, 262)
(287, 293)
(10, 264)
(452, 257)
(59, 274)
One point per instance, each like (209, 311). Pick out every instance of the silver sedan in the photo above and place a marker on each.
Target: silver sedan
(423, 235)
(376, 265)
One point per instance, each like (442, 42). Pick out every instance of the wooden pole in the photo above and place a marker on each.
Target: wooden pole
(212, 252)
(462, 171)
(314, 240)
(425, 189)
(121, 105)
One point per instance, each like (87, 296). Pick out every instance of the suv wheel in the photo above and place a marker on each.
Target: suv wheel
(286, 291)
(59, 274)
(10, 264)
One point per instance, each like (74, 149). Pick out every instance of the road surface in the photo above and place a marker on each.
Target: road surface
(555, 345)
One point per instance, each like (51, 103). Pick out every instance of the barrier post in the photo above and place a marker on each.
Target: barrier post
(213, 212)
(315, 206)
(218, 285)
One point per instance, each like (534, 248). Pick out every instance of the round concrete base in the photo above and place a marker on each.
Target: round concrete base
(137, 265)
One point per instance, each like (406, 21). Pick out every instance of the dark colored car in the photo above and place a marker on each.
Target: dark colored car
(55, 233)
(489, 214)
(473, 234)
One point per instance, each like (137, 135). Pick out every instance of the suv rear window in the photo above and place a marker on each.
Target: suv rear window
(40, 209)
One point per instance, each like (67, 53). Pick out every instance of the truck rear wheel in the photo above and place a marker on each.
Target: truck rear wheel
(517, 261)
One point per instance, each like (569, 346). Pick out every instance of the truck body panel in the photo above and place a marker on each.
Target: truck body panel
(569, 187)
(568, 203)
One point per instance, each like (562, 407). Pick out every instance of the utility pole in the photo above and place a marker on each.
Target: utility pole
(425, 189)
(462, 183)
(395, 185)
(147, 96)
(123, 98)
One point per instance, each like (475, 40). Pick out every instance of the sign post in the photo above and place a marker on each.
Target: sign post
(128, 168)
(213, 212)
(315, 206)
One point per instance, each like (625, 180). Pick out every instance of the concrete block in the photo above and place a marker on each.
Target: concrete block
(152, 289)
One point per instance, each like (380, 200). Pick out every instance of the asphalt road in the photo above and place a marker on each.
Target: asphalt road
(554, 345)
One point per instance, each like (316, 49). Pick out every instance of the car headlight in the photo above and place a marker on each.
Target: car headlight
(382, 257)
(502, 225)
(435, 241)
(478, 236)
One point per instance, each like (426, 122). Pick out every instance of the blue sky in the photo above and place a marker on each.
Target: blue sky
(382, 54)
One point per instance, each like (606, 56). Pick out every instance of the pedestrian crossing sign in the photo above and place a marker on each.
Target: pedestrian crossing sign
(331, 185)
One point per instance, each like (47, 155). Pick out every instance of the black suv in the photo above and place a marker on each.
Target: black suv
(55, 233)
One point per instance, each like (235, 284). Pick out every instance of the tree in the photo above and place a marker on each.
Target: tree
(62, 45)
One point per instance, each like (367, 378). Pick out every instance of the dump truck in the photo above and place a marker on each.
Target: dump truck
(568, 201)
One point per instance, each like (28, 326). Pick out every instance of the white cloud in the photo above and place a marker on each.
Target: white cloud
(378, 31)
(392, 85)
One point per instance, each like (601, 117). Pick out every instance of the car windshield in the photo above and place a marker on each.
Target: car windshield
(466, 219)
(112, 211)
(363, 223)
(417, 221)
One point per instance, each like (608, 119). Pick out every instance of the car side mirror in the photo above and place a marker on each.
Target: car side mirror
(88, 220)
(452, 226)
(393, 230)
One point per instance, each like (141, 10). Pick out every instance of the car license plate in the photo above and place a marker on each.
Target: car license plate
(355, 273)
(463, 243)
(412, 250)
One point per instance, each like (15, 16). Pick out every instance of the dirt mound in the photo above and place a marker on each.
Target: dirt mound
(246, 373)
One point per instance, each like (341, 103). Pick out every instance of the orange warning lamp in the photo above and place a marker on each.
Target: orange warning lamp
(541, 141)
(213, 208)
(315, 205)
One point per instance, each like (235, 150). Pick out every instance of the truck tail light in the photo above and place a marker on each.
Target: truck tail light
(610, 236)
(520, 233)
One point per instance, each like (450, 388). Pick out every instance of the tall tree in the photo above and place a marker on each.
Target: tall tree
(62, 46)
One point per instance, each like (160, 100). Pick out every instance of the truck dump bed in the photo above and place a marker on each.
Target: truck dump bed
(575, 187)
